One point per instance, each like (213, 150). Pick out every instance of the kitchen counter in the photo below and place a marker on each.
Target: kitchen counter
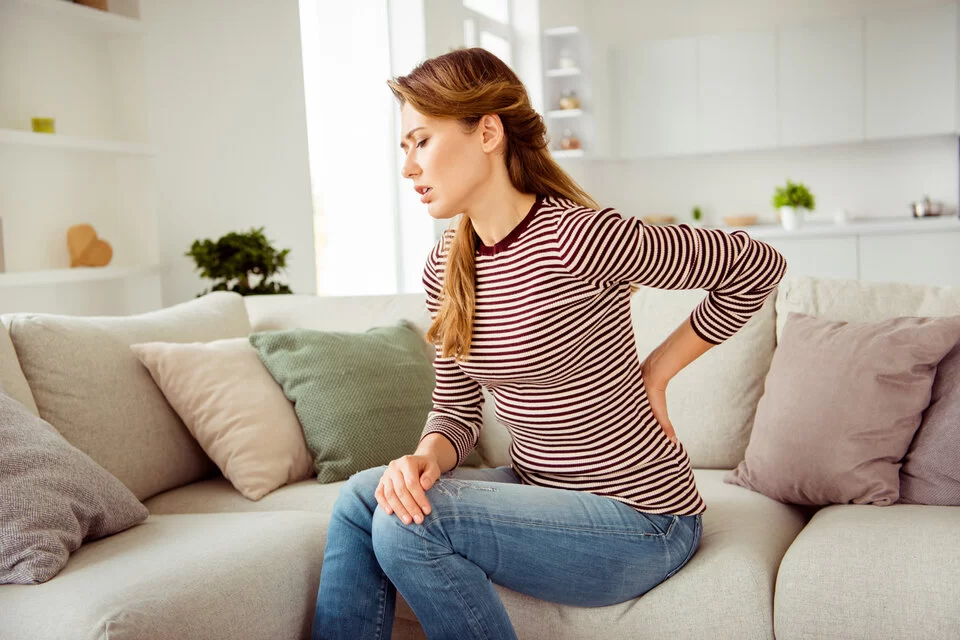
(857, 226)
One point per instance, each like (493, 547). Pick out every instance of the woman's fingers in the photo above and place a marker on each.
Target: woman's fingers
(413, 497)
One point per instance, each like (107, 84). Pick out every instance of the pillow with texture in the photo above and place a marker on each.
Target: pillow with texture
(234, 408)
(842, 403)
(53, 498)
(931, 470)
(362, 398)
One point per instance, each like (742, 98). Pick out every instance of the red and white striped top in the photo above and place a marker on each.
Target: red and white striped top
(553, 344)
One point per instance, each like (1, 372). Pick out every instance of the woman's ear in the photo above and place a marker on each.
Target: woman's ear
(491, 132)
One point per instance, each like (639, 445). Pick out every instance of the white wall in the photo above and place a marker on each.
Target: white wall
(226, 114)
(870, 179)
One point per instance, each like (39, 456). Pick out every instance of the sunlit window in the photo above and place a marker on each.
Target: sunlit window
(494, 9)
(486, 24)
(346, 59)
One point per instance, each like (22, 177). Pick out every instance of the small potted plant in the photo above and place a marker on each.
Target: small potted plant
(236, 259)
(793, 203)
(697, 216)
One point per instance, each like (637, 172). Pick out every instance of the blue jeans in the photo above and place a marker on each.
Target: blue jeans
(486, 527)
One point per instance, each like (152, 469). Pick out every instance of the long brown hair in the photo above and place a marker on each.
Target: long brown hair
(466, 84)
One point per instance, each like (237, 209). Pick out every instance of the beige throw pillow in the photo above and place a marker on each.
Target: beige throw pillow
(234, 408)
(841, 405)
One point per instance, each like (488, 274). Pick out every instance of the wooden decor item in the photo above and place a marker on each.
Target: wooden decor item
(86, 249)
(95, 4)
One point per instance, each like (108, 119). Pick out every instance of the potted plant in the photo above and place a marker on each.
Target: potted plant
(236, 259)
(793, 202)
(697, 215)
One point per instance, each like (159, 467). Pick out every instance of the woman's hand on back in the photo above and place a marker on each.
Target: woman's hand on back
(403, 487)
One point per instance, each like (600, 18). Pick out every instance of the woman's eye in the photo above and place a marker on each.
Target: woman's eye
(421, 143)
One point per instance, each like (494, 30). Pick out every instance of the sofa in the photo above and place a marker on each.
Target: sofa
(209, 563)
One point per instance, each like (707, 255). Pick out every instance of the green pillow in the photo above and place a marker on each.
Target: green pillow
(362, 398)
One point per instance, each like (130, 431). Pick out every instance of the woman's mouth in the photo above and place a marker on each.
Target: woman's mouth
(426, 194)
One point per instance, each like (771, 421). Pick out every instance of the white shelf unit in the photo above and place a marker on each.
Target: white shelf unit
(84, 68)
(559, 42)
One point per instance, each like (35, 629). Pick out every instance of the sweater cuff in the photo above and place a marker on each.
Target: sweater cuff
(456, 433)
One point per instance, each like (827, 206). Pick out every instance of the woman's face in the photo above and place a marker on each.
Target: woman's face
(442, 157)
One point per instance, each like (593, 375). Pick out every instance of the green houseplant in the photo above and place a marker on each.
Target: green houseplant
(793, 203)
(236, 259)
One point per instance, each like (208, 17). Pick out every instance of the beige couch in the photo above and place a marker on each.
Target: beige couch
(208, 563)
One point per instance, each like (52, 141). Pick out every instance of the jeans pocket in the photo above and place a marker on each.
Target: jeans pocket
(694, 545)
(662, 522)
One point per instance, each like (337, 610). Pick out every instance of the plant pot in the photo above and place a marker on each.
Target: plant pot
(792, 217)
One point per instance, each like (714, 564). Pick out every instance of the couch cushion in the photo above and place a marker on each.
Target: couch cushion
(357, 314)
(53, 498)
(713, 399)
(93, 389)
(870, 382)
(252, 575)
(727, 586)
(11, 375)
(885, 572)
(235, 410)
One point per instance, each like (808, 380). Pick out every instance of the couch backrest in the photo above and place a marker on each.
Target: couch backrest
(92, 388)
(862, 301)
(11, 375)
(712, 402)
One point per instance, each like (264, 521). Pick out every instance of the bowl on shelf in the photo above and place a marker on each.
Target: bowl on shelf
(659, 219)
(740, 221)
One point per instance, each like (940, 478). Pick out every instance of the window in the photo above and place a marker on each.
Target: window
(486, 24)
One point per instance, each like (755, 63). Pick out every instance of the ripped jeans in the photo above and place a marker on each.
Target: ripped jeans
(485, 527)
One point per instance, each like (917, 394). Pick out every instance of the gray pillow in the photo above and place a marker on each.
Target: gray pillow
(53, 498)
(842, 403)
(931, 469)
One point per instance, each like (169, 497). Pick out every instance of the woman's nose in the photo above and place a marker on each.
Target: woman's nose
(409, 168)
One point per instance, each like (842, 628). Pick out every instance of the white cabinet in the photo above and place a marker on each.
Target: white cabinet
(738, 91)
(821, 257)
(926, 258)
(914, 250)
(911, 72)
(820, 80)
(658, 98)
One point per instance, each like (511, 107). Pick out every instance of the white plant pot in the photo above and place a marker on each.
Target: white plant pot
(792, 217)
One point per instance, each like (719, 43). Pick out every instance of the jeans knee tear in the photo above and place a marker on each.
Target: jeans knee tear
(453, 486)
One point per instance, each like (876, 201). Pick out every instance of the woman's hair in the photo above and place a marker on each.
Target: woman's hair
(465, 85)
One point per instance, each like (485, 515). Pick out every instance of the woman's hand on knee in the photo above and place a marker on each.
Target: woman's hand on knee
(403, 487)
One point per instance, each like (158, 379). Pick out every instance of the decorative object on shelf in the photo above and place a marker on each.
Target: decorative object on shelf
(565, 59)
(569, 140)
(237, 257)
(569, 100)
(740, 221)
(926, 208)
(657, 219)
(43, 125)
(2, 266)
(94, 4)
(86, 249)
(793, 202)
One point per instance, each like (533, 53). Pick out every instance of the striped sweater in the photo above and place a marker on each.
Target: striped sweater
(553, 344)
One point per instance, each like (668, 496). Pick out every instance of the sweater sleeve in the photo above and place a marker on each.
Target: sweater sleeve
(457, 399)
(739, 272)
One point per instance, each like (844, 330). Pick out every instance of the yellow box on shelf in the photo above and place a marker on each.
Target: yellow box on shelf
(44, 125)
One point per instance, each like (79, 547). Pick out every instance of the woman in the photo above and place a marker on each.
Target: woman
(529, 297)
